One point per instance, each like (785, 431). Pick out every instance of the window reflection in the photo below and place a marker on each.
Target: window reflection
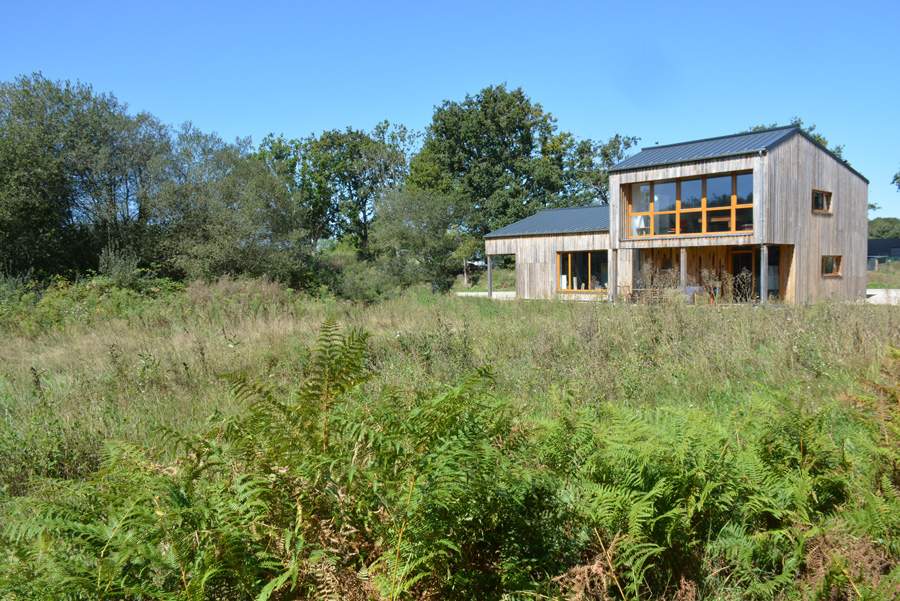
(718, 221)
(743, 220)
(664, 197)
(692, 223)
(718, 192)
(640, 198)
(692, 194)
(715, 204)
(745, 189)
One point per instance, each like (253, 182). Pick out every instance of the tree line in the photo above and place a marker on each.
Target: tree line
(85, 183)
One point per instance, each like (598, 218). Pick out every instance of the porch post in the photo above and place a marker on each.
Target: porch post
(490, 262)
(763, 273)
(613, 283)
(683, 262)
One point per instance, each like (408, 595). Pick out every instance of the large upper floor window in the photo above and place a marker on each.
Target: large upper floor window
(712, 204)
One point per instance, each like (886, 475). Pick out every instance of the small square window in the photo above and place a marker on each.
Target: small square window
(831, 266)
(821, 202)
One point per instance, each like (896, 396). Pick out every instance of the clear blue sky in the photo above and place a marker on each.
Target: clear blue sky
(666, 72)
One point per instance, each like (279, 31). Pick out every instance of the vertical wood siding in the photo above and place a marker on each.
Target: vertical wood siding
(783, 182)
(536, 275)
(794, 169)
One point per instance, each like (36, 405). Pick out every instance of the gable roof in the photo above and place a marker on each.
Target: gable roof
(710, 148)
(724, 146)
(570, 220)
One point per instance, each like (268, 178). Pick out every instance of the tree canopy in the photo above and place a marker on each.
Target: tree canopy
(76, 173)
(417, 228)
(502, 155)
(811, 130)
(884, 228)
(84, 183)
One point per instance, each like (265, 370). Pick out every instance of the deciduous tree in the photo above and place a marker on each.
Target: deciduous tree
(300, 169)
(811, 130)
(360, 168)
(501, 154)
(75, 173)
(883, 228)
(416, 228)
(221, 210)
(36, 193)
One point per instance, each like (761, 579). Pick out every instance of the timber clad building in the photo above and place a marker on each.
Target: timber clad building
(772, 206)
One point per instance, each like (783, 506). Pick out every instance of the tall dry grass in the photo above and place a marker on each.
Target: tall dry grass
(120, 370)
(601, 402)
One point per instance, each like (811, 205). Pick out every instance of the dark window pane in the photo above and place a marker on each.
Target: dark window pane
(691, 222)
(718, 221)
(744, 218)
(664, 225)
(821, 201)
(664, 197)
(599, 270)
(718, 191)
(640, 198)
(745, 189)
(692, 194)
(580, 276)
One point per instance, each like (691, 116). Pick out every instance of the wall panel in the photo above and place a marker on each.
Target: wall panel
(536, 258)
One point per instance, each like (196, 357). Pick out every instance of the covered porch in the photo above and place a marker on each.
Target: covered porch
(734, 273)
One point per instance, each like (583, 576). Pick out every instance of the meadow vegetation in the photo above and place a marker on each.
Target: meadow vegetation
(886, 276)
(240, 440)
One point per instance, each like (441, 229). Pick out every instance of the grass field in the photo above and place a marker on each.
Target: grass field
(887, 276)
(600, 451)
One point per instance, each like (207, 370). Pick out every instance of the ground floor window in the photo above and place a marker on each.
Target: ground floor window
(582, 271)
(831, 265)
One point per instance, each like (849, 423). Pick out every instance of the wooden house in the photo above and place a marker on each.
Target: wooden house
(771, 211)
(558, 251)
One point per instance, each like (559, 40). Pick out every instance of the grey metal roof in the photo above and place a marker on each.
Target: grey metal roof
(592, 218)
(709, 148)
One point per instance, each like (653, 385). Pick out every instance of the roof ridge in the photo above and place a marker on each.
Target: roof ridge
(743, 133)
(569, 208)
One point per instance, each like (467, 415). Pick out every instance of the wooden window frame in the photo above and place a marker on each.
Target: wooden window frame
(678, 211)
(828, 200)
(836, 272)
(559, 255)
